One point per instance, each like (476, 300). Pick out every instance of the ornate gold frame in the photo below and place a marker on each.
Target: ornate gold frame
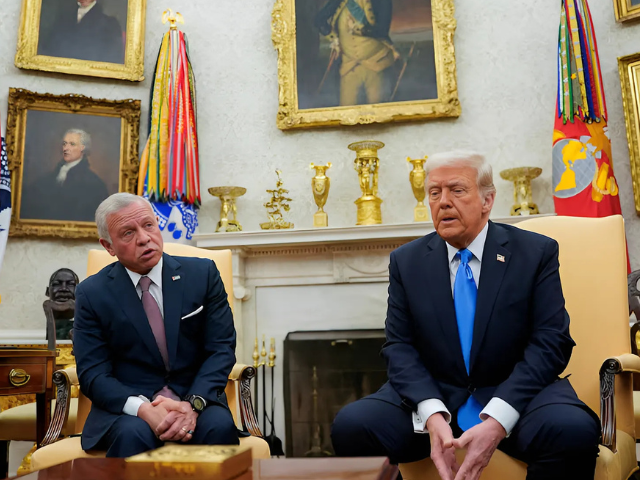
(624, 11)
(629, 67)
(20, 101)
(283, 28)
(133, 68)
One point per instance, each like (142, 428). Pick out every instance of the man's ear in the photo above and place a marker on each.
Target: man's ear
(46, 292)
(488, 202)
(107, 246)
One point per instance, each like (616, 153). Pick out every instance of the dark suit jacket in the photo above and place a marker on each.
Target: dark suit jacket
(76, 199)
(116, 352)
(382, 10)
(521, 340)
(98, 37)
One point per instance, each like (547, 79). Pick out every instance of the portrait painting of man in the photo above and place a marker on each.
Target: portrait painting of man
(93, 30)
(71, 164)
(357, 52)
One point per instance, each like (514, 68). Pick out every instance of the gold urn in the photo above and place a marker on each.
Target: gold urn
(522, 195)
(228, 197)
(367, 164)
(417, 178)
(320, 184)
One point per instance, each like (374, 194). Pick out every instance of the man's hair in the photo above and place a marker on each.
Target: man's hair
(64, 270)
(112, 204)
(462, 158)
(85, 138)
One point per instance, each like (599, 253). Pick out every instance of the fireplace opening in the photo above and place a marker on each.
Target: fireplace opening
(324, 371)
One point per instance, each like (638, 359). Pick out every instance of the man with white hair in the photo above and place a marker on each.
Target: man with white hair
(477, 336)
(71, 191)
(154, 340)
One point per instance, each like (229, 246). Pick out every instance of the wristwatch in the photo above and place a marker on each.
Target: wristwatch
(197, 402)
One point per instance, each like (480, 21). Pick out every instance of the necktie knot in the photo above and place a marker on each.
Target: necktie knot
(465, 256)
(145, 283)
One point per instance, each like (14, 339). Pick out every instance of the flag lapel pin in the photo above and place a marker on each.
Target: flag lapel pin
(500, 258)
(177, 277)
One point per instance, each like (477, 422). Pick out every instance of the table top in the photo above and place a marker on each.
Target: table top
(372, 468)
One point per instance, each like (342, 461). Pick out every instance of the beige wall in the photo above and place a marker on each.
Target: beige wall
(506, 54)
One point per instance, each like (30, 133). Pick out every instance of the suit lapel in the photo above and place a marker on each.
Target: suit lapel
(436, 266)
(495, 261)
(127, 297)
(172, 286)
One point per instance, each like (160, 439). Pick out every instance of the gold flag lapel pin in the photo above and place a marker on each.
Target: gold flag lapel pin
(500, 258)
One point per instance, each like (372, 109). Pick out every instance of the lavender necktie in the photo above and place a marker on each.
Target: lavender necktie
(157, 327)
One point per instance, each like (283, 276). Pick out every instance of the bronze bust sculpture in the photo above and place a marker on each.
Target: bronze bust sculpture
(59, 308)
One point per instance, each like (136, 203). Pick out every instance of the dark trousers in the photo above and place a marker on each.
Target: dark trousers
(557, 441)
(131, 435)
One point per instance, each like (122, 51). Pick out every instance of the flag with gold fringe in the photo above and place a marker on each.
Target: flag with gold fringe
(583, 180)
(169, 167)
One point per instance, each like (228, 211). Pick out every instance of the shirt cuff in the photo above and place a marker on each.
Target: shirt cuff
(502, 412)
(132, 405)
(426, 408)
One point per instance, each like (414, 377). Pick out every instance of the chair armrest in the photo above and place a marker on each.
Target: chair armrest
(625, 363)
(62, 379)
(242, 374)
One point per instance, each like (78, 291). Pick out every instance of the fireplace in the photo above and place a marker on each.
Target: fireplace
(324, 371)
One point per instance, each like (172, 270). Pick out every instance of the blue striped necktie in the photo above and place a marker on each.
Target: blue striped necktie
(465, 293)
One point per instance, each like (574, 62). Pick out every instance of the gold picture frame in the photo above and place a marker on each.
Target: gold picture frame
(629, 68)
(626, 10)
(30, 41)
(40, 130)
(444, 103)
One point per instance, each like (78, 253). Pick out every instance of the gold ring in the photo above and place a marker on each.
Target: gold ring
(184, 429)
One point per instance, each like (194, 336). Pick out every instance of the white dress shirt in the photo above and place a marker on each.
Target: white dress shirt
(132, 404)
(82, 11)
(64, 170)
(497, 408)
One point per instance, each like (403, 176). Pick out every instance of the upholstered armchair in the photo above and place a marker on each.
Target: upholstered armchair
(55, 450)
(593, 270)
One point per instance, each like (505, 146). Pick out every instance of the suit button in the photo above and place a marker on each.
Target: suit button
(471, 388)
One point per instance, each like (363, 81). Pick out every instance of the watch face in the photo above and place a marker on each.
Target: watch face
(198, 403)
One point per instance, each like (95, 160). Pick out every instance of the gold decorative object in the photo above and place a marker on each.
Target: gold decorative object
(626, 10)
(272, 353)
(522, 197)
(292, 52)
(18, 377)
(367, 166)
(629, 68)
(30, 33)
(316, 435)
(320, 184)
(275, 206)
(190, 461)
(172, 18)
(417, 178)
(228, 197)
(23, 107)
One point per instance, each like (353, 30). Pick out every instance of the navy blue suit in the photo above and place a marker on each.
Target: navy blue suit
(117, 355)
(521, 344)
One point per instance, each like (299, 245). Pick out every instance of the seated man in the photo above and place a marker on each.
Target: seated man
(154, 340)
(477, 334)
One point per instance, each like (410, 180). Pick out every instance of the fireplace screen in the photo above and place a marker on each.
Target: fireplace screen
(324, 371)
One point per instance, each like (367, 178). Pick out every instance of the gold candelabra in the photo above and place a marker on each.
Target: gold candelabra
(320, 184)
(367, 164)
(228, 197)
(522, 195)
(417, 178)
(275, 206)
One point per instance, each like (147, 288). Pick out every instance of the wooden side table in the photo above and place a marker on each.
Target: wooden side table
(27, 371)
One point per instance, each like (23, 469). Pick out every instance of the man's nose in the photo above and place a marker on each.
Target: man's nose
(143, 238)
(445, 199)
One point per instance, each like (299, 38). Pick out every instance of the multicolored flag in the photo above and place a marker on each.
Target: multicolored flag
(5, 199)
(583, 180)
(169, 168)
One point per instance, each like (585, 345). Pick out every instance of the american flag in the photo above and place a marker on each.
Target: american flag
(5, 199)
